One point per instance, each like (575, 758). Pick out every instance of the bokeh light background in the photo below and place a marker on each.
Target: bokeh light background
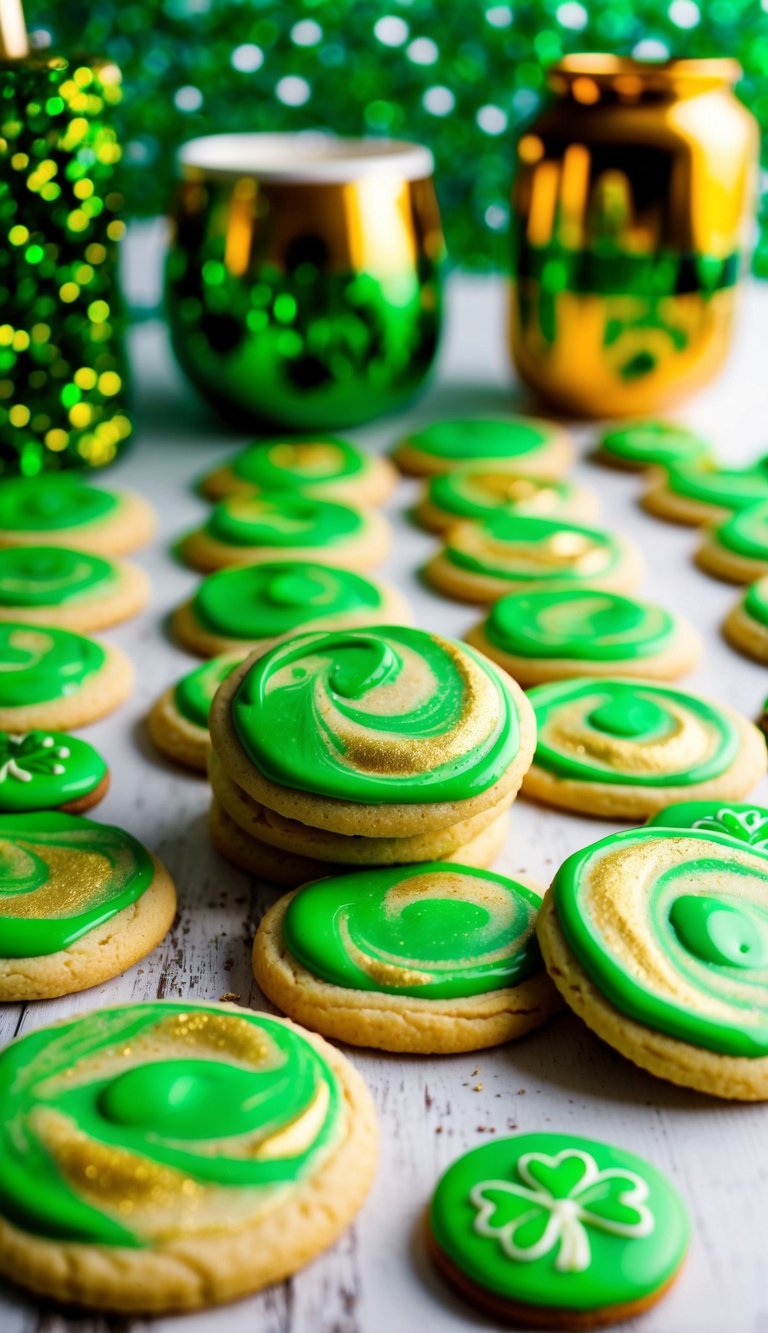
(459, 75)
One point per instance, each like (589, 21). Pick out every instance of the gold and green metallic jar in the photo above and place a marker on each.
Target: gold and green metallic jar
(303, 277)
(631, 218)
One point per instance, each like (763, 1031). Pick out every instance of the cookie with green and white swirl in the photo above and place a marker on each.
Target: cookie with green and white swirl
(429, 959)
(58, 509)
(638, 445)
(253, 606)
(737, 550)
(658, 939)
(79, 903)
(57, 585)
(49, 770)
(746, 823)
(286, 525)
(625, 749)
(746, 625)
(325, 467)
(542, 636)
(538, 448)
(178, 719)
(170, 1156)
(507, 553)
(478, 489)
(52, 678)
(700, 491)
(382, 732)
(557, 1231)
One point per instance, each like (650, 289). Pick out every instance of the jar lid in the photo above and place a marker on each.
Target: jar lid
(301, 159)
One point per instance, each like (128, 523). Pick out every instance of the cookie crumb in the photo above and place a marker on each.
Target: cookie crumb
(229, 996)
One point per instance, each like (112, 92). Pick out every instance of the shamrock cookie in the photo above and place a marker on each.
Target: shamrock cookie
(381, 732)
(479, 489)
(701, 492)
(737, 550)
(643, 444)
(543, 636)
(506, 553)
(54, 678)
(49, 770)
(79, 903)
(255, 605)
(538, 448)
(434, 958)
(745, 823)
(658, 939)
(56, 585)
(326, 468)
(746, 625)
(167, 1156)
(556, 1231)
(178, 720)
(626, 749)
(281, 525)
(56, 509)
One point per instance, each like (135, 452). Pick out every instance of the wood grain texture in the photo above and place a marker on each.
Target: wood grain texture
(377, 1279)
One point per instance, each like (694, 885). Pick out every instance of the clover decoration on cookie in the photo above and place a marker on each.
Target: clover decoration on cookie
(560, 1198)
(750, 826)
(23, 757)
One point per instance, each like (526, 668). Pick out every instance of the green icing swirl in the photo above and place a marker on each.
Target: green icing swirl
(726, 488)
(387, 715)
(197, 1119)
(560, 1221)
(756, 602)
(60, 877)
(698, 907)
(52, 575)
(483, 488)
(434, 931)
(51, 503)
(193, 694)
(639, 735)
(465, 440)
(284, 519)
(654, 442)
(525, 548)
(746, 823)
(45, 769)
(294, 464)
(578, 624)
(746, 532)
(41, 664)
(274, 598)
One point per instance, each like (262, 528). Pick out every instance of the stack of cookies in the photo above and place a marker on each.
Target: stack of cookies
(365, 747)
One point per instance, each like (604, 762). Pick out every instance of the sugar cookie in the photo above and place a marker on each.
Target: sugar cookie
(746, 625)
(478, 489)
(57, 509)
(737, 550)
(52, 678)
(178, 720)
(49, 770)
(745, 823)
(56, 585)
(326, 467)
(539, 448)
(642, 444)
(701, 492)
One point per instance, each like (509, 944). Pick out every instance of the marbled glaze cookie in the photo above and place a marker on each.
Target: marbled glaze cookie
(49, 770)
(285, 525)
(557, 1231)
(658, 939)
(737, 550)
(625, 748)
(384, 732)
(252, 607)
(543, 636)
(57, 509)
(170, 1156)
(539, 448)
(56, 585)
(507, 553)
(327, 468)
(478, 489)
(430, 959)
(701, 492)
(746, 823)
(52, 678)
(178, 720)
(79, 903)
(746, 625)
(638, 445)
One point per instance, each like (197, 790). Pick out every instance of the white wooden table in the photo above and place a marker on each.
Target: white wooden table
(377, 1279)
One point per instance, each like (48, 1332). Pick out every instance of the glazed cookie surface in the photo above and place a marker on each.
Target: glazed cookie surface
(57, 585)
(643, 444)
(171, 1156)
(328, 468)
(745, 823)
(507, 553)
(701, 492)
(286, 525)
(49, 770)
(540, 448)
(628, 748)
(53, 678)
(253, 606)
(438, 957)
(79, 903)
(178, 720)
(478, 489)
(746, 625)
(56, 509)
(658, 938)
(543, 636)
(557, 1231)
(737, 550)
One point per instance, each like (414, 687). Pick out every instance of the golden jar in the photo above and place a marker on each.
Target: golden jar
(631, 218)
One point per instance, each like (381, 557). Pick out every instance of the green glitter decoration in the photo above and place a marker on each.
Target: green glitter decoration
(62, 371)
